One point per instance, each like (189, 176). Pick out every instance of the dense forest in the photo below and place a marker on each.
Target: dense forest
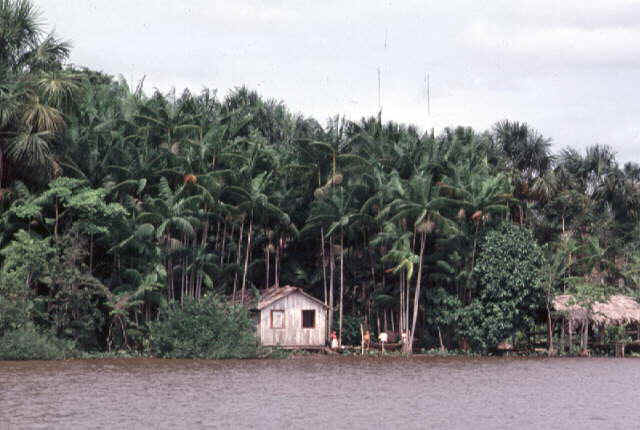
(117, 205)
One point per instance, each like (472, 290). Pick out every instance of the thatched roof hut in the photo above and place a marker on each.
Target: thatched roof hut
(618, 309)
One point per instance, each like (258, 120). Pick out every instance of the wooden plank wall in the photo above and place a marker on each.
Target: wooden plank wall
(293, 334)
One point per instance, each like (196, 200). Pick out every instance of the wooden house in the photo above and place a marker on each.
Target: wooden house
(290, 318)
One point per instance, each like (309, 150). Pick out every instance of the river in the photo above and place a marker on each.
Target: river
(322, 392)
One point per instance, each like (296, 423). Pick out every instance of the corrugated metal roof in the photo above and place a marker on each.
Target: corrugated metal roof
(272, 295)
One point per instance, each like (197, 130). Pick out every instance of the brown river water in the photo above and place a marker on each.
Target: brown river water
(323, 392)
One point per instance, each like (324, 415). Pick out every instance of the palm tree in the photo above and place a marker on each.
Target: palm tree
(34, 90)
(253, 200)
(475, 195)
(418, 203)
(337, 214)
(527, 157)
(172, 213)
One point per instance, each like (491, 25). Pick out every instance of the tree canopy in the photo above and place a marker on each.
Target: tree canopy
(116, 203)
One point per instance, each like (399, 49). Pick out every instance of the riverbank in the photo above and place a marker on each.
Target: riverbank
(281, 354)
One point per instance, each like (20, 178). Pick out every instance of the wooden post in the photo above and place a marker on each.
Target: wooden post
(562, 339)
(549, 335)
(442, 348)
(570, 335)
(361, 340)
(585, 336)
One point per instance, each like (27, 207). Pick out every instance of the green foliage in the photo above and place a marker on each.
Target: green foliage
(586, 294)
(26, 259)
(27, 343)
(350, 328)
(113, 202)
(509, 284)
(14, 314)
(209, 328)
(69, 307)
(616, 334)
(443, 309)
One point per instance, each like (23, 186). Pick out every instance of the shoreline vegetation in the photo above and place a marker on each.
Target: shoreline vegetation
(279, 354)
(150, 223)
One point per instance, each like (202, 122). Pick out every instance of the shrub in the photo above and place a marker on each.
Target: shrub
(27, 343)
(208, 328)
(14, 314)
(350, 328)
(509, 287)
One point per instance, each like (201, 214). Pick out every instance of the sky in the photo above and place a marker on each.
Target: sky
(567, 68)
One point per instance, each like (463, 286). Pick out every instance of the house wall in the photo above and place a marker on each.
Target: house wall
(293, 334)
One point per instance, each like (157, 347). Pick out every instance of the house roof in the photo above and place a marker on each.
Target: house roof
(618, 309)
(272, 295)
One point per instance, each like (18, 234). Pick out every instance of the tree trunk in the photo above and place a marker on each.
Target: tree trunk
(238, 257)
(171, 292)
(341, 283)
(585, 335)
(226, 258)
(55, 227)
(401, 314)
(277, 268)
(416, 297)
(549, 331)
(267, 259)
(550, 350)
(570, 335)
(246, 261)
(562, 338)
(331, 270)
(224, 239)
(406, 284)
(324, 265)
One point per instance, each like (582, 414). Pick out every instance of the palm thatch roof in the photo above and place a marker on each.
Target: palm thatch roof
(618, 309)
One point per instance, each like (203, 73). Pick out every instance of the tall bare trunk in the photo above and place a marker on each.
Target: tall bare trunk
(570, 335)
(266, 263)
(416, 297)
(549, 331)
(226, 257)
(331, 270)
(324, 265)
(91, 253)
(341, 283)
(171, 292)
(277, 268)
(224, 239)
(407, 286)
(585, 335)
(246, 260)
(401, 316)
(183, 271)
(55, 227)
(562, 337)
(238, 257)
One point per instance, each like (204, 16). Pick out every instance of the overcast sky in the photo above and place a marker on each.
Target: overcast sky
(568, 68)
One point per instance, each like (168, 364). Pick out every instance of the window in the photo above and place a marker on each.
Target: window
(309, 319)
(277, 319)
